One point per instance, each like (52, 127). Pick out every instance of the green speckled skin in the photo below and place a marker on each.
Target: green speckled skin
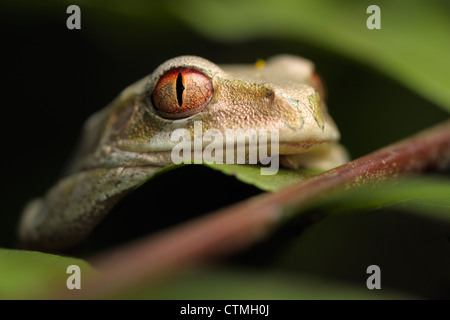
(125, 143)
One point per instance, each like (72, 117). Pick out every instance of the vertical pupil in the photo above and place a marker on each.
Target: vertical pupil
(180, 89)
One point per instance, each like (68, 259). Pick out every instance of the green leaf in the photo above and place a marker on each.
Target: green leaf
(410, 46)
(424, 195)
(251, 174)
(33, 275)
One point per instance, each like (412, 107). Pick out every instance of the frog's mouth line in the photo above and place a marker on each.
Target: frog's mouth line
(239, 155)
(290, 155)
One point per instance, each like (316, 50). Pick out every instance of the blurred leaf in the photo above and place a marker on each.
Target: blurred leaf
(33, 275)
(410, 46)
(226, 283)
(424, 195)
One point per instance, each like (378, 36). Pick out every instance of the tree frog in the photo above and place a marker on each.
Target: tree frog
(128, 141)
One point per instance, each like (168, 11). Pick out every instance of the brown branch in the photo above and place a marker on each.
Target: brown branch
(243, 224)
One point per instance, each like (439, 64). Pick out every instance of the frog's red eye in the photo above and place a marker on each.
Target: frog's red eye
(182, 92)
